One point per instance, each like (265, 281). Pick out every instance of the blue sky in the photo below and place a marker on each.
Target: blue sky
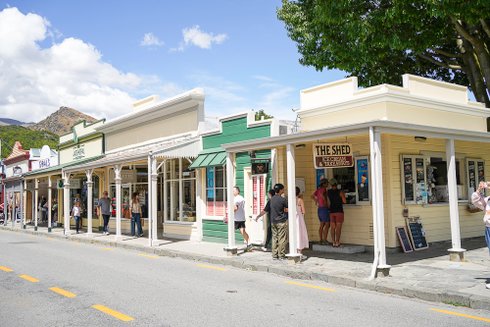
(99, 56)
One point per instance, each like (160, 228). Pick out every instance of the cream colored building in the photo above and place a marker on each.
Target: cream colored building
(421, 147)
(148, 151)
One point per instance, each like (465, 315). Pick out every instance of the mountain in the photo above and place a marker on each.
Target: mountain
(61, 121)
(27, 137)
(8, 121)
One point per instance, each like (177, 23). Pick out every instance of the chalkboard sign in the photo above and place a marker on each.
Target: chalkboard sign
(417, 233)
(403, 237)
(408, 179)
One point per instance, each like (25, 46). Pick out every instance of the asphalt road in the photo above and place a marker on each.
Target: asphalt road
(49, 282)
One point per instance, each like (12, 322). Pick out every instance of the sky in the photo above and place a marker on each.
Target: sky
(100, 56)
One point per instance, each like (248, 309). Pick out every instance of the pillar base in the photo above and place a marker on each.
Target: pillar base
(456, 255)
(293, 258)
(383, 271)
(118, 238)
(231, 251)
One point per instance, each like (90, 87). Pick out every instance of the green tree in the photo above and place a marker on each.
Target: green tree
(259, 115)
(379, 40)
(27, 137)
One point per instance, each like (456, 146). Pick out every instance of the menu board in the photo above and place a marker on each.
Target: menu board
(408, 179)
(481, 171)
(417, 233)
(401, 231)
(420, 190)
(471, 175)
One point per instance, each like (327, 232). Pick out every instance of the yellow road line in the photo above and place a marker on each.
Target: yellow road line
(461, 315)
(211, 267)
(6, 269)
(311, 286)
(63, 292)
(29, 278)
(148, 256)
(107, 249)
(113, 313)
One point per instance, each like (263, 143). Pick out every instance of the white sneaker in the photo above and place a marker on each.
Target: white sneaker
(264, 249)
(487, 286)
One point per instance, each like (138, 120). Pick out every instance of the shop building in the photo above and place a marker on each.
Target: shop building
(16, 164)
(83, 144)
(148, 152)
(416, 150)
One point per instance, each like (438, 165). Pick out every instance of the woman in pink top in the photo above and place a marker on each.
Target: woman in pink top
(322, 202)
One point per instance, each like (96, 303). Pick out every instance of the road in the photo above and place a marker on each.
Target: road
(50, 282)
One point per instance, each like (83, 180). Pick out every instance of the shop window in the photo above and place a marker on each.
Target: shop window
(362, 180)
(346, 179)
(475, 173)
(354, 181)
(259, 193)
(180, 184)
(424, 179)
(414, 190)
(215, 191)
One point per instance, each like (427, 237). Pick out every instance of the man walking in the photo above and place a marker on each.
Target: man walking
(105, 208)
(240, 214)
(279, 221)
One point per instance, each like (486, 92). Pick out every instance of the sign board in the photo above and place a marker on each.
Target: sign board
(332, 155)
(401, 231)
(417, 233)
(260, 166)
(75, 184)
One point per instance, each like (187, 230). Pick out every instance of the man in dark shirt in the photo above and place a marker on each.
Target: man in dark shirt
(279, 221)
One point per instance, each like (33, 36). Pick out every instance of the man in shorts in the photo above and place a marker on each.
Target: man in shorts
(240, 214)
(321, 201)
(105, 209)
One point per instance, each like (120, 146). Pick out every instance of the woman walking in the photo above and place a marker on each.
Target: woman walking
(76, 211)
(302, 238)
(136, 214)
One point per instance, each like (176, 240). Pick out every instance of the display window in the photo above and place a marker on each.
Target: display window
(180, 190)
(79, 192)
(215, 191)
(424, 178)
(353, 181)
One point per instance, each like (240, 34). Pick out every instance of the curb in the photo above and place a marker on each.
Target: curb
(384, 286)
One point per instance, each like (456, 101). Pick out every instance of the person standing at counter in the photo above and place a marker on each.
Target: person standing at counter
(337, 199)
(321, 201)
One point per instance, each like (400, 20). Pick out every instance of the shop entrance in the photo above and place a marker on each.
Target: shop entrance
(255, 198)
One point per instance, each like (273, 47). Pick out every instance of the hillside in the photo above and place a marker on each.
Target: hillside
(61, 121)
(28, 138)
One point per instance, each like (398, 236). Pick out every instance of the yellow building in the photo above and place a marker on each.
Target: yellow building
(411, 151)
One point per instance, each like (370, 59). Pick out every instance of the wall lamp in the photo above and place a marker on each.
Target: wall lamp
(420, 138)
(300, 146)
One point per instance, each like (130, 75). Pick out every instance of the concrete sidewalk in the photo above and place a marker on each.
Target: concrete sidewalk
(426, 275)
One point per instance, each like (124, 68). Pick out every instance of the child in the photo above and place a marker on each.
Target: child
(76, 214)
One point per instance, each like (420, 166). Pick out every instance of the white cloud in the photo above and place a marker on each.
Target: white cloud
(36, 81)
(149, 39)
(194, 36)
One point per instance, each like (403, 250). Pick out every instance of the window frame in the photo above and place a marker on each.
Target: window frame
(206, 188)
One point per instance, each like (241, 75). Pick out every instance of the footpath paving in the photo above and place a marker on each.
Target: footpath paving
(426, 275)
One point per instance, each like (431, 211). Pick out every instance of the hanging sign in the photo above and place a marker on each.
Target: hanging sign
(332, 155)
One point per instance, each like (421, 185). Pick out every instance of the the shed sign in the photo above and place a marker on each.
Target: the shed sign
(332, 155)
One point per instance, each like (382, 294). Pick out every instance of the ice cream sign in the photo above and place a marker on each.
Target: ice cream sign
(332, 155)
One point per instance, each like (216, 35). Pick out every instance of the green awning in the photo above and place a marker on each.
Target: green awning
(209, 160)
